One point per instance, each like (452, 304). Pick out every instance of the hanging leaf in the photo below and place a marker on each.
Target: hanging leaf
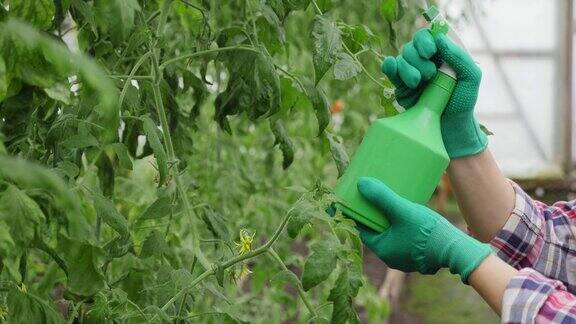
(162, 207)
(338, 153)
(3, 80)
(122, 154)
(327, 44)
(216, 224)
(51, 57)
(300, 215)
(81, 258)
(24, 307)
(21, 213)
(282, 139)
(60, 91)
(153, 139)
(116, 17)
(320, 104)
(254, 86)
(36, 12)
(320, 264)
(346, 67)
(80, 141)
(272, 18)
(342, 295)
(108, 213)
(389, 10)
(154, 245)
(486, 130)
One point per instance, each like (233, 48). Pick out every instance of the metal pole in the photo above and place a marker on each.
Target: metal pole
(569, 104)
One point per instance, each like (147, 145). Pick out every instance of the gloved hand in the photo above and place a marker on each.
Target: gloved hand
(418, 239)
(411, 71)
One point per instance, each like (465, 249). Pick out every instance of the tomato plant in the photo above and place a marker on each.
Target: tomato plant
(140, 177)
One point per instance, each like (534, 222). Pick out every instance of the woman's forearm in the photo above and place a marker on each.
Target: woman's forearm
(490, 280)
(484, 195)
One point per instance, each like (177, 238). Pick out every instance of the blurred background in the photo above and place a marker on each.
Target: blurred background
(525, 50)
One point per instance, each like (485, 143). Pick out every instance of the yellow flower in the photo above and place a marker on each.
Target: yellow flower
(245, 244)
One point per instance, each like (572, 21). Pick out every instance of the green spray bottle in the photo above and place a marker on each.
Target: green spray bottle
(405, 151)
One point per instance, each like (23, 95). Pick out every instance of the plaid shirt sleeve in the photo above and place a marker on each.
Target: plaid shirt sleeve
(540, 240)
(533, 298)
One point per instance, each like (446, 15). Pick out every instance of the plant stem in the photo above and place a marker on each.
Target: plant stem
(158, 76)
(134, 77)
(363, 68)
(138, 309)
(200, 53)
(139, 63)
(179, 314)
(293, 77)
(299, 287)
(42, 246)
(253, 21)
(237, 259)
(317, 8)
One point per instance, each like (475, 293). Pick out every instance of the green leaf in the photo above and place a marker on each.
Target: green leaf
(4, 81)
(162, 207)
(286, 276)
(36, 12)
(320, 104)
(388, 99)
(21, 213)
(60, 91)
(291, 5)
(50, 57)
(68, 169)
(106, 210)
(389, 10)
(327, 44)
(219, 274)
(216, 224)
(300, 214)
(80, 141)
(84, 276)
(346, 67)
(254, 86)
(25, 307)
(153, 138)
(122, 154)
(272, 18)
(116, 17)
(154, 245)
(7, 245)
(320, 264)
(342, 295)
(282, 139)
(324, 5)
(291, 96)
(338, 153)
(33, 176)
(356, 37)
(486, 130)
(181, 278)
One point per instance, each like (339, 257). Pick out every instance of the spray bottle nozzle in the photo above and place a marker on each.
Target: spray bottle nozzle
(431, 13)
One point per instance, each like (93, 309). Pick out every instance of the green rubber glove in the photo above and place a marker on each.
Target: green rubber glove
(410, 72)
(418, 239)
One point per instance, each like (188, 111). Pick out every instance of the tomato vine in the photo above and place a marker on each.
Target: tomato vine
(137, 140)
